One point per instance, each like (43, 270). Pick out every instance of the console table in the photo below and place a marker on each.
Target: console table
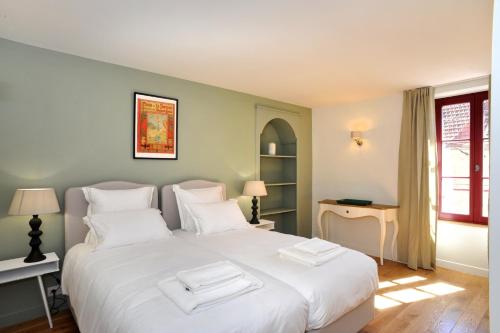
(383, 213)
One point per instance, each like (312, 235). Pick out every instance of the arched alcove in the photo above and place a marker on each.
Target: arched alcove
(280, 132)
(279, 172)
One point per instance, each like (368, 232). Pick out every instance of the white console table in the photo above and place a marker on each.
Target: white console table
(383, 213)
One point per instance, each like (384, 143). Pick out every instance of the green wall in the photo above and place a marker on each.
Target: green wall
(67, 121)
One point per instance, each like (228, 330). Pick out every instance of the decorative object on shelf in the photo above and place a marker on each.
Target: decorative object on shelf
(272, 148)
(355, 202)
(155, 127)
(357, 136)
(255, 188)
(34, 202)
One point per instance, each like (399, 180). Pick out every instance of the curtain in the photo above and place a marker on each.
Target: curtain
(417, 180)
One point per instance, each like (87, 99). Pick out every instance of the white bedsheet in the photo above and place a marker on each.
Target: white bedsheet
(331, 289)
(115, 290)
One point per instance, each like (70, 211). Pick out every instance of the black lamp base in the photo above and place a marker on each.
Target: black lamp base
(35, 254)
(35, 257)
(255, 208)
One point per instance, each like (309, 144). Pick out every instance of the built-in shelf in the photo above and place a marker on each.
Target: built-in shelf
(274, 211)
(279, 172)
(278, 156)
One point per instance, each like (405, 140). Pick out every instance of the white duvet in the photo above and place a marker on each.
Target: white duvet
(331, 290)
(115, 290)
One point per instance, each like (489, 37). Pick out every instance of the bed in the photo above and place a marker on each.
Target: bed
(340, 294)
(115, 290)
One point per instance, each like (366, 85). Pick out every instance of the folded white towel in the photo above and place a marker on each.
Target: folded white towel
(316, 246)
(189, 302)
(207, 276)
(310, 259)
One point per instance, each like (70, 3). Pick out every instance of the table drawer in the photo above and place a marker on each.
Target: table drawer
(353, 212)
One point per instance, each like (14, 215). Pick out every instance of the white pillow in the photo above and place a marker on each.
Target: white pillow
(115, 229)
(102, 201)
(199, 195)
(218, 216)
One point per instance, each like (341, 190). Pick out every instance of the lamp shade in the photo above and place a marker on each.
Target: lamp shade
(34, 201)
(255, 188)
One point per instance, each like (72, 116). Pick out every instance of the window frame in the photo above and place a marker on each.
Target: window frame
(476, 156)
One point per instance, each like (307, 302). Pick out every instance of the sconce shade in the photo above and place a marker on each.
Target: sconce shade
(255, 188)
(356, 135)
(34, 201)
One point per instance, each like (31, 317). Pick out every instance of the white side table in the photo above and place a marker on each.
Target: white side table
(264, 224)
(17, 269)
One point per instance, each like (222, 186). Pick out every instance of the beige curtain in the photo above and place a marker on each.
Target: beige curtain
(417, 180)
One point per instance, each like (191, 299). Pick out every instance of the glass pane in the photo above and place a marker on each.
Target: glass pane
(455, 122)
(486, 119)
(486, 158)
(456, 159)
(455, 196)
(486, 196)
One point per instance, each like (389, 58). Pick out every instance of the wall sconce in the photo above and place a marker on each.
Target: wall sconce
(357, 136)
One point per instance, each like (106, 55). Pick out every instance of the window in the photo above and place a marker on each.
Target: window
(463, 157)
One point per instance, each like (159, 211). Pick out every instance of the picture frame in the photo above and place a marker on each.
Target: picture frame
(155, 134)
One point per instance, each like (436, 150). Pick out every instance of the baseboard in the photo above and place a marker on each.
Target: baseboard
(17, 317)
(462, 267)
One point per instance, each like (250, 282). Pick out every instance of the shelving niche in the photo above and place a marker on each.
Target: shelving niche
(279, 172)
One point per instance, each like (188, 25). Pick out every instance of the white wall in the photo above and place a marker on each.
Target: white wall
(463, 247)
(494, 236)
(343, 170)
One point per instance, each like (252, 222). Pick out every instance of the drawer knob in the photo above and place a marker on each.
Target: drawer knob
(347, 212)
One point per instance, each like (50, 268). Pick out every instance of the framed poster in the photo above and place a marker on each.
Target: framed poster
(155, 127)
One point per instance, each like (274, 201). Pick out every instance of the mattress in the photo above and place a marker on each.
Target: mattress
(331, 290)
(115, 290)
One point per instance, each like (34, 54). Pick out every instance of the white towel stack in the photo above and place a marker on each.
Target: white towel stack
(312, 252)
(206, 286)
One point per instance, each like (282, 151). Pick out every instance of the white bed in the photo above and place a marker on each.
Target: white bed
(115, 290)
(339, 293)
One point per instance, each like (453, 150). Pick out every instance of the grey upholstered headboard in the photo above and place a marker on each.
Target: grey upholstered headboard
(169, 204)
(76, 208)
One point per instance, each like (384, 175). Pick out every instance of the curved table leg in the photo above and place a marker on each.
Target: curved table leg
(382, 240)
(395, 238)
(318, 221)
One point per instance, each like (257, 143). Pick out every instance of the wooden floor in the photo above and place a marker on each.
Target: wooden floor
(454, 302)
(461, 307)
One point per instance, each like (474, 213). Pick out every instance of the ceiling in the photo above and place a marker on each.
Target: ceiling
(312, 53)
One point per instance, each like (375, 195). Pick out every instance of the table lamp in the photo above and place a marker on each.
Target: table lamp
(255, 188)
(35, 201)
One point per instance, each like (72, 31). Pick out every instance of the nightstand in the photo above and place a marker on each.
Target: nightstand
(264, 224)
(17, 269)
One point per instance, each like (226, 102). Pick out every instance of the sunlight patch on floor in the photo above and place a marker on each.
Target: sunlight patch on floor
(440, 288)
(408, 295)
(386, 284)
(382, 302)
(410, 279)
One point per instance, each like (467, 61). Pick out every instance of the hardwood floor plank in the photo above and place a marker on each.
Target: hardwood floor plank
(472, 316)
